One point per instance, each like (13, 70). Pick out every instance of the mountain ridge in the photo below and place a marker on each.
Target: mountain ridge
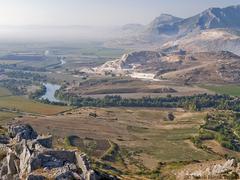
(167, 27)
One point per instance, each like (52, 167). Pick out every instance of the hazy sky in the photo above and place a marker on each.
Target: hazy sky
(98, 12)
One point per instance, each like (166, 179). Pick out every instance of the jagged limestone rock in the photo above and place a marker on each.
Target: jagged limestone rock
(24, 158)
(29, 153)
(83, 162)
(11, 157)
(10, 177)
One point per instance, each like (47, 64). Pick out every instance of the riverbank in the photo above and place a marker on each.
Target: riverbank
(50, 92)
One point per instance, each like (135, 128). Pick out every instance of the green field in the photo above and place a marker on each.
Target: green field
(22, 104)
(170, 141)
(101, 51)
(232, 90)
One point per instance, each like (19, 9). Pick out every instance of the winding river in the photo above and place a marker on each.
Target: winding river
(50, 91)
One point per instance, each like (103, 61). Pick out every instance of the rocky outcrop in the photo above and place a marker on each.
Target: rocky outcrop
(217, 171)
(20, 132)
(35, 177)
(32, 156)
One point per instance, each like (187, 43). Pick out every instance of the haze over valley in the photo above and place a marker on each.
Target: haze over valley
(119, 90)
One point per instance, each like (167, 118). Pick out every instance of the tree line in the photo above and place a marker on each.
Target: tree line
(194, 103)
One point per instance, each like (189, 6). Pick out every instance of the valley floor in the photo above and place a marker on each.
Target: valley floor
(144, 136)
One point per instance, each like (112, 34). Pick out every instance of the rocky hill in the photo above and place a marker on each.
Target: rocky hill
(210, 67)
(213, 18)
(27, 155)
(208, 40)
(169, 28)
(222, 66)
(163, 23)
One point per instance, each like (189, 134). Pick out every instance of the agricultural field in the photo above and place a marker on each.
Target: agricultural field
(233, 90)
(99, 87)
(141, 135)
(89, 49)
(23, 104)
(4, 62)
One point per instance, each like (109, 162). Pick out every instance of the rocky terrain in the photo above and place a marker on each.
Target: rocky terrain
(212, 18)
(27, 155)
(228, 169)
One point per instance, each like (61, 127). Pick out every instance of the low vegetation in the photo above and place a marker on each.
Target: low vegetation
(38, 93)
(111, 153)
(232, 90)
(16, 86)
(26, 75)
(222, 126)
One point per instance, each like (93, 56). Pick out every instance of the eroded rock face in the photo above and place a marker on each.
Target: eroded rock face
(22, 132)
(28, 154)
(11, 163)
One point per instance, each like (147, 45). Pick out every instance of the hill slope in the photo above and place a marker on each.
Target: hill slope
(215, 67)
(207, 40)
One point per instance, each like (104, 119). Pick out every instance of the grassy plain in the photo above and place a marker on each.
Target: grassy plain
(233, 90)
(144, 136)
(4, 92)
(6, 117)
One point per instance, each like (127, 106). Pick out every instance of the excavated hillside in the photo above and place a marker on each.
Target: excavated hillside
(195, 67)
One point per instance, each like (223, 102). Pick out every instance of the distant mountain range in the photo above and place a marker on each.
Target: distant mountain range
(168, 28)
(210, 19)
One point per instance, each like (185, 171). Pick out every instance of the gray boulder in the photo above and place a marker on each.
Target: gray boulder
(4, 139)
(65, 176)
(45, 141)
(22, 132)
(36, 177)
(65, 156)
(3, 170)
(69, 171)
